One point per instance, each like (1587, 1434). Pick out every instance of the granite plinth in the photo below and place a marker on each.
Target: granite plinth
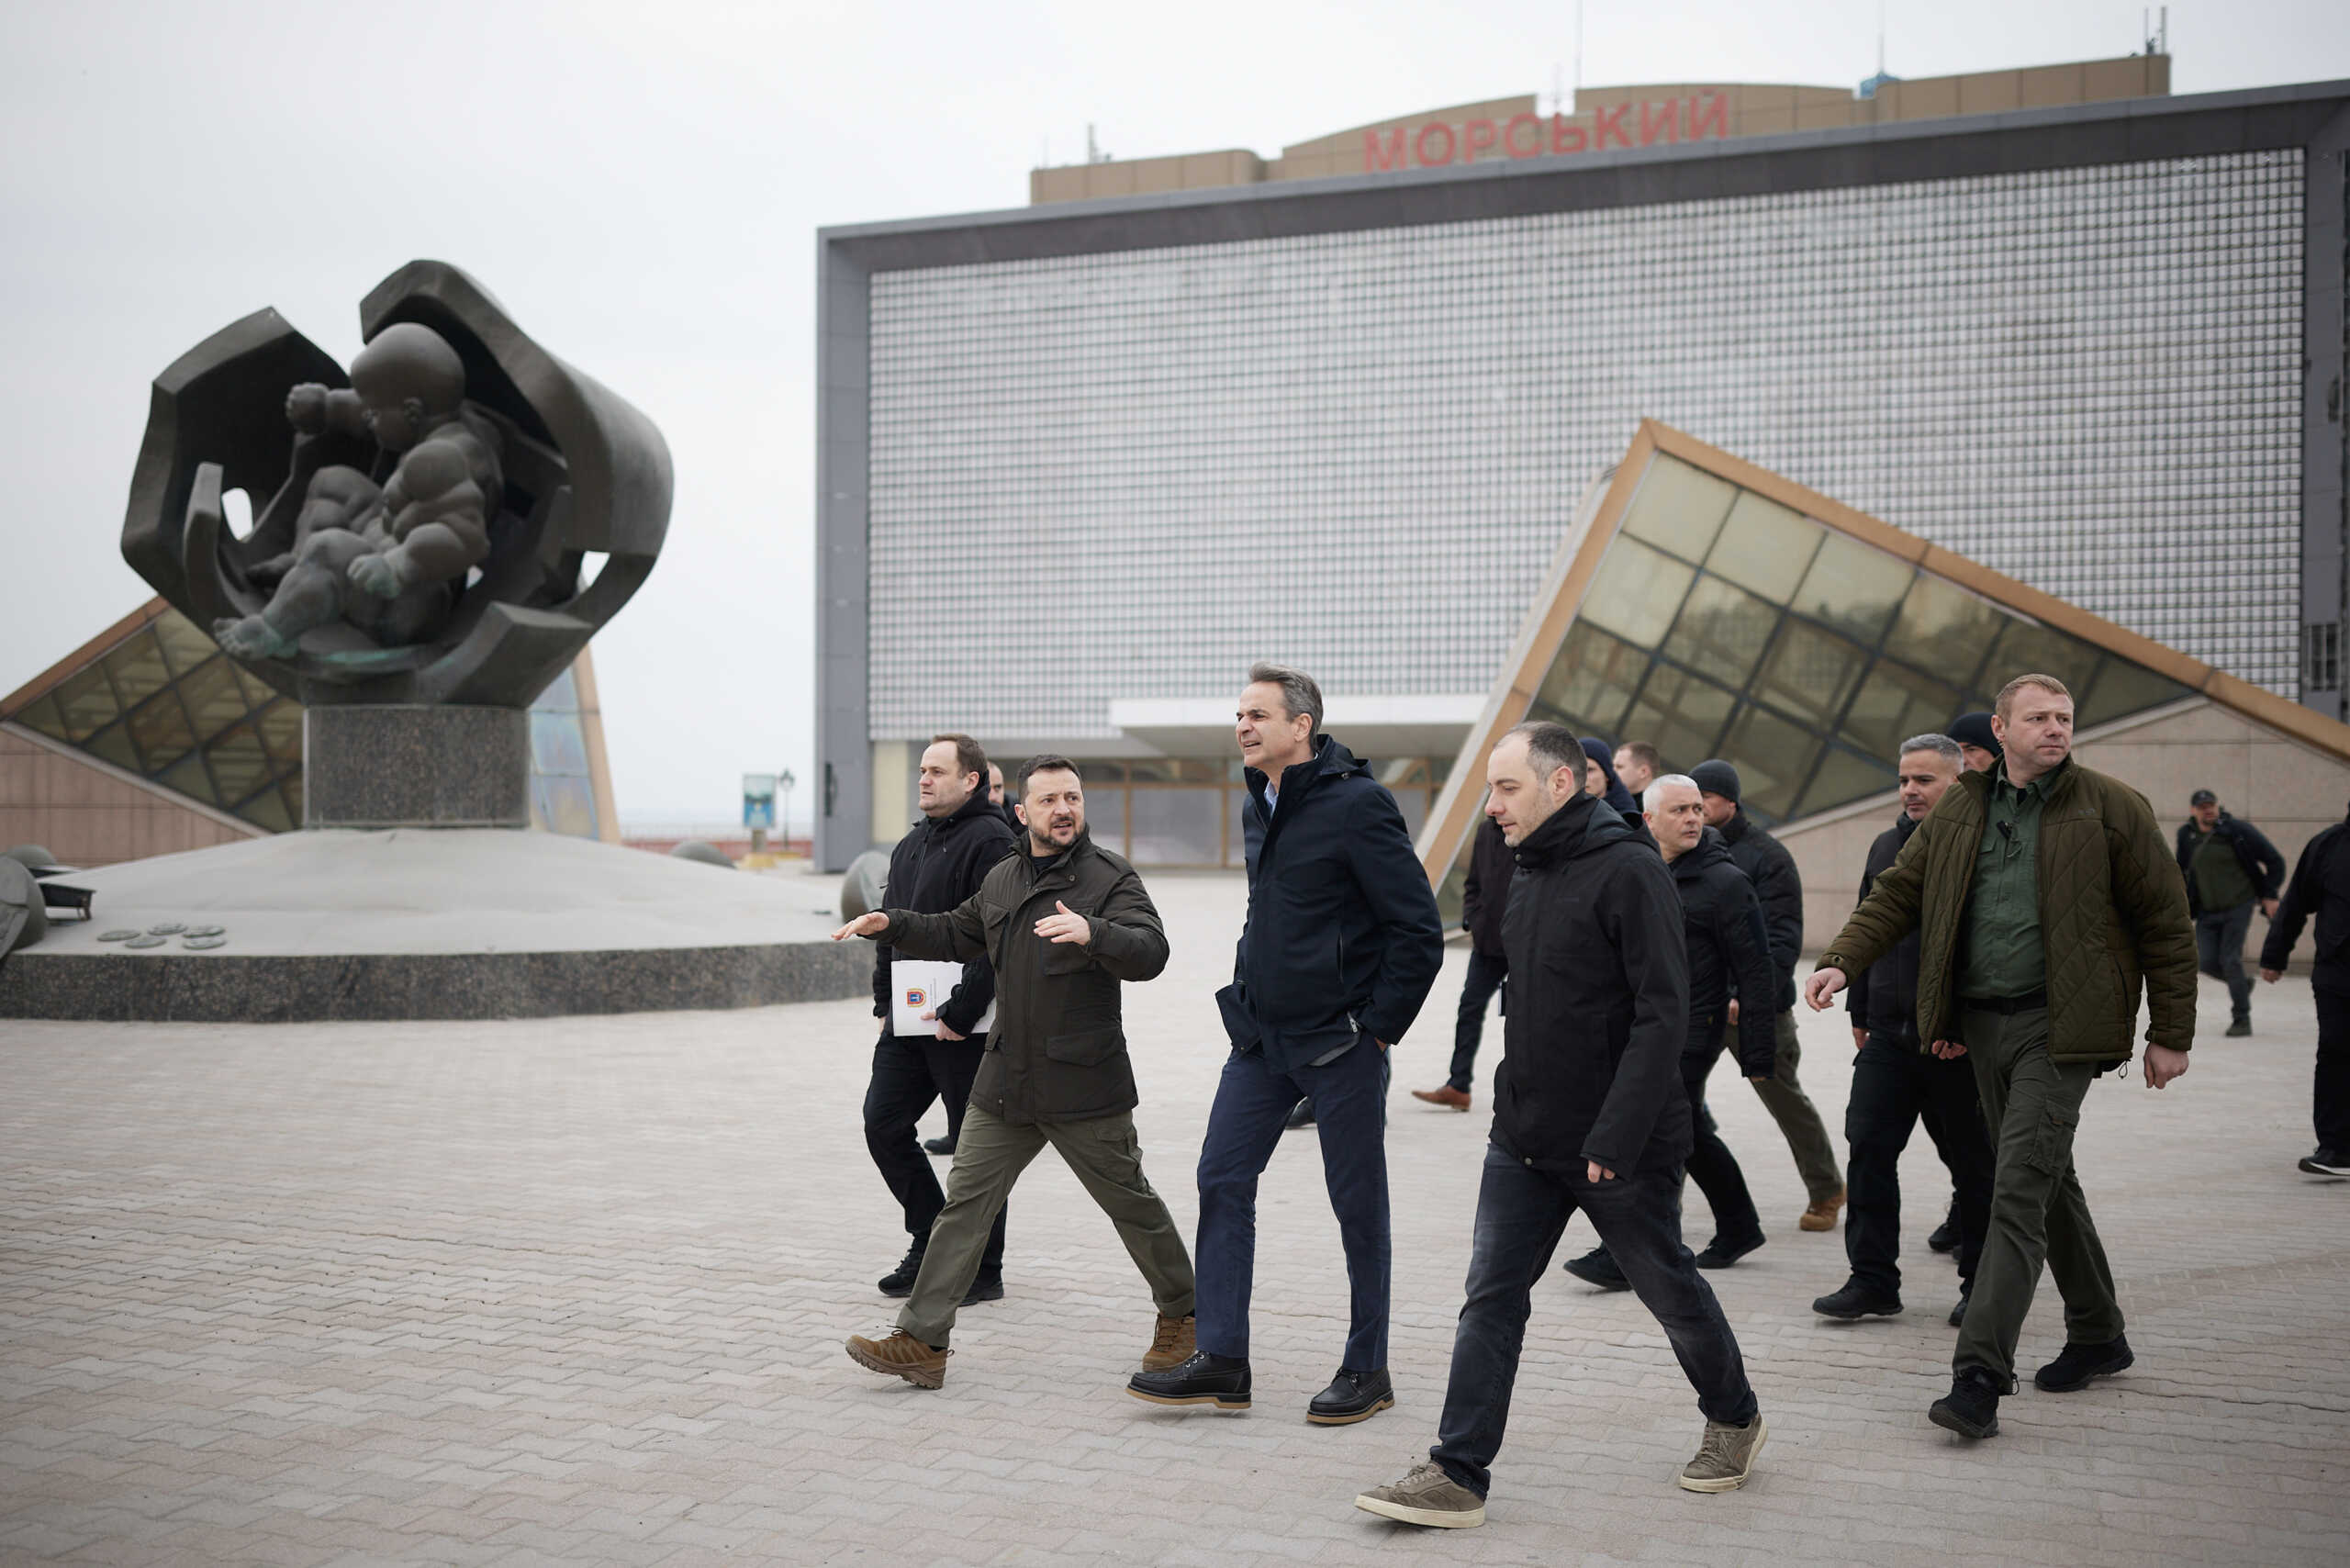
(376, 765)
(436, 923)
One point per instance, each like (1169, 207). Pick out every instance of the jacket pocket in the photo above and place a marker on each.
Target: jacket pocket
(2051, 1150)
(1090, 1047)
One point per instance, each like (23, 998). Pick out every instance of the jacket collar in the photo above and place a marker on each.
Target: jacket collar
(1710, 850)
(978, 805)
(2052, 785)
(1734, 829)
(1576, 828)
(1328, 759)
(1904, 824)
(1066, 861)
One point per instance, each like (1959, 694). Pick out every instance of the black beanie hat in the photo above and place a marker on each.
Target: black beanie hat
(1973, 729)
(1716, 777)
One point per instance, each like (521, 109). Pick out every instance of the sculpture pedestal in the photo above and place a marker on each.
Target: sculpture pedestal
(379, 765)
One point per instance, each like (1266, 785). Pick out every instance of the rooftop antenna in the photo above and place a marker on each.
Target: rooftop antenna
(1558, 88)
(1880, 37)
(1578, 48)
(2157, 32)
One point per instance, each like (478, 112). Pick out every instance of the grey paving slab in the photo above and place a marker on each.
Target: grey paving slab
(573, 1291)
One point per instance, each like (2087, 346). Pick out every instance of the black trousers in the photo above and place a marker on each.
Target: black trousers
(1486, 976)
(1895, 1086)
(910, 1071)
(2333, 1099)
(1711, 1164)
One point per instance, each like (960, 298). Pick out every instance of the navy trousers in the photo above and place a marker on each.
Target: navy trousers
(1252, 1106)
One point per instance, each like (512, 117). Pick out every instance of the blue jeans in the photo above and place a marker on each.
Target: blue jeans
(1521, 1213)
(1252, 1106)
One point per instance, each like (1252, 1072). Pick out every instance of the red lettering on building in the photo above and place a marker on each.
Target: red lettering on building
(1477, 136)
(1420, 144)
(1605, 123)
(1509, 135)
(1667, 122)
(1714, 116)
(1376, 159)
(1566, 138)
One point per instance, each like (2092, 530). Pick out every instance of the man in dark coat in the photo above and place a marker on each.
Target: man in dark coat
(1343, 941)
(1898, 1082)
(1064, 922)
(1484, 895)
(2230, 865)
(2320, 887)
(1771, 870)
(1589, 1114)
(932, 869)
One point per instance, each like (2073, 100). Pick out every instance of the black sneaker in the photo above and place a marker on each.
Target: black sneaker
(1855, 1301)
(1720, 1254)
(2327, 1162)
(1958, 1313)
(1220, 1381)
(1971, 1408)
(1597, 1267)
(1352, 1396)
(939, 1146)
(1945, 1236)
(900, 1280)
(986, 1287)
(2077, 1365)
(2240, 1028)
(1301, 1114)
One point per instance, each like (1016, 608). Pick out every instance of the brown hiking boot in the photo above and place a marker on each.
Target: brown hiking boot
(1444, 1094)
(1173, 1344)
(901, 1355)
(1821, 1215)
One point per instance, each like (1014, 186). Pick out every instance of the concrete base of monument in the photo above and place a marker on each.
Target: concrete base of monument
(433, 923)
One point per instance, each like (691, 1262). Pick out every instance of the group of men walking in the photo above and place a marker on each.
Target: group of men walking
(2006, 923)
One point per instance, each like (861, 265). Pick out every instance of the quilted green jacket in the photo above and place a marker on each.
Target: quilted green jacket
(2113, 911)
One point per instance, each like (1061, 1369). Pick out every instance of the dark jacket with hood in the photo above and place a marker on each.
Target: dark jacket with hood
(1599, 1001)
(1059, 1051)
(1485, 894)
(1343, 938)
(1728, 954)
(2261, 862)
(932, 869)
(1771, 870)
(2321, 887)
(1883, 998)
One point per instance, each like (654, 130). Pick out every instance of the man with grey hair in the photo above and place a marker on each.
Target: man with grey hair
(1341, 945)
(1897, 1082)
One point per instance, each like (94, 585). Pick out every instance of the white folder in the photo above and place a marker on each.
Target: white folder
(922, 985)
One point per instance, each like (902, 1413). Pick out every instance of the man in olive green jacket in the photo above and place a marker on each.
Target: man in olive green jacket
(1065, 923)
(2044, 896)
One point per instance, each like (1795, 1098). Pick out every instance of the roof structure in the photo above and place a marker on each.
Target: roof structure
(1715, 608)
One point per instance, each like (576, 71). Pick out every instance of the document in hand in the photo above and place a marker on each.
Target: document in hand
(918, 986)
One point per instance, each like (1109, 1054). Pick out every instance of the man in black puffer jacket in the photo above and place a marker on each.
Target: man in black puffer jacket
(1589, 1114)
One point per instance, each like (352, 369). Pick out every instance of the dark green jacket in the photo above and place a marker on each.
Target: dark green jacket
(1058, 1049)
(2112, 915)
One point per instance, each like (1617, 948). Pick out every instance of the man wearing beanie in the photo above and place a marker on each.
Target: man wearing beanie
(1771, 870)
(1977, 746)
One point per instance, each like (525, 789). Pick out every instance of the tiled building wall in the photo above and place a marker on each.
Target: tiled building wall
(87, 816)
(1127, 475)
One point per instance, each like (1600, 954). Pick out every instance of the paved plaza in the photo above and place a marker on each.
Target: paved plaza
(573, 1291)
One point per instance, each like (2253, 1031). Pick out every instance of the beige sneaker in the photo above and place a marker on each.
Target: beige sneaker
(1427, 1496)
(1821, 1215)
(901, 1355)
(1725, 1459)
(1172, 1344)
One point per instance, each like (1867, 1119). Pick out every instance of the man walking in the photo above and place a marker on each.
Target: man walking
(2321, 887)
(1637, 765)
(2228, 866)
(933, 868)
(1589, 1114)
(1722, 931)
(1342, 942)
(2042, 896)
(1485, 897)
(1771, 870)
(1896, 1083)
(1064, 922)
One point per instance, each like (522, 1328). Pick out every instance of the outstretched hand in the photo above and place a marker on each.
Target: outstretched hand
(1066, 926)
(870, 925)
(1821, 985)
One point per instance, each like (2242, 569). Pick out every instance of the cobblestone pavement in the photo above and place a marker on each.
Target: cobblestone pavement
(574, 1291)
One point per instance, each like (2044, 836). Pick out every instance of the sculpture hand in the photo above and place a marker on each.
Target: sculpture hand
(377, 575)
(306, 408)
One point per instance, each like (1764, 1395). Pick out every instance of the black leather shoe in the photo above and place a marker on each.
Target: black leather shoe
(1958, 1313)
(1220, 1381)
(986, 1287)
(939, 1146)
(1945, 1236)
(1720, 1254)
(1857, 1300)
(2076, 1365)
(900, 1280)
(1352, 1396)
(1597, 1267)
(1971, 1408)
(1301, 1114)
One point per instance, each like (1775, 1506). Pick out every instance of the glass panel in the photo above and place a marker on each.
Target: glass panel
(268, 810)
(1843, 777)
(161, 729)
(184, 642)
(1153, 770)
(214, 700)
(1944, 630)
(1810, 672)
(1722, 631)
(1089, 772)
(137, 670)
(1678, 508)
(556, 745)
(1895, 703)
(1174, 827)
(189, 779)
(1773, 758)
(280, 725)
(1854, 588)
(564, 805)
(2123, 688)
(2027, 649)
(86, 700)
(1592, 681)
(1414, 804)
(1765, 547)
(113, 744)
(1680, 715)
(41, 715)
(1637, 593)
(258, 692)
(561, 695)
(292, 790)
(240, 765)
(1235, 841)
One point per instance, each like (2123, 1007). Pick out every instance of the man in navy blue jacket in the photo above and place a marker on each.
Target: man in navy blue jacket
(1342, 943)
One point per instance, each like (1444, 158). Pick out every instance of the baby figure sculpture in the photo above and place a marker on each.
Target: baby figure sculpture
(387, 558)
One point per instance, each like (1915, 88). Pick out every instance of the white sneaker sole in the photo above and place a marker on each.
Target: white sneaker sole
(1433, 1519)
(1732, 1482)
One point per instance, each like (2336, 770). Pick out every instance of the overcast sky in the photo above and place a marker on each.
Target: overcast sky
(641, 187)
